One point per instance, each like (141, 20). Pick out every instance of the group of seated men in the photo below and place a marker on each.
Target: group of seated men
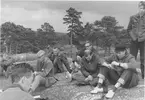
(120, 70)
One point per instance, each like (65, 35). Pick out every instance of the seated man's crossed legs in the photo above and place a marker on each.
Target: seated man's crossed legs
(126, 79)
(81, 79)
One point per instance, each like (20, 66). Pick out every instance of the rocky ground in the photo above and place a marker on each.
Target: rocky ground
(65, 90)
(69, 91)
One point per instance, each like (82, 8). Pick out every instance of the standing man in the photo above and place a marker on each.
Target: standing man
(136, 29)
(22, 78)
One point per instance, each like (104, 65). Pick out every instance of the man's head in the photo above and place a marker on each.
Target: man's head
(56, 51)
(120, 50)
(88, 55)
(5, 56)
(41, 53)
(141, 6)
(22, 74)
(88, 46)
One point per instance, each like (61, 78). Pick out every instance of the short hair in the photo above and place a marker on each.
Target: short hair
(56, 47)
(17, 71)
(41, 53)
(142, 3)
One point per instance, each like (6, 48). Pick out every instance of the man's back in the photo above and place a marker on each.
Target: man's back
(15, 93)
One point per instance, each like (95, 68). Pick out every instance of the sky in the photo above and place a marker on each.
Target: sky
(32, 14)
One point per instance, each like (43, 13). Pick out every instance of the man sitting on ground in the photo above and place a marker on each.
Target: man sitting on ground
(88, 46)
(121, 71)
(22, 78)
(60, 62)
(89, 69)
(43, 72)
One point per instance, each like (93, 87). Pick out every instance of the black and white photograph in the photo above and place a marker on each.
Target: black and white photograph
(72, 50)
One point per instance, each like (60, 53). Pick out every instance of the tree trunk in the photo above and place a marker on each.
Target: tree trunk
(71, 40)
(6, 48)
(105, 51)
(109, 49)
(10, 48)
(16, 47)
(71, 44)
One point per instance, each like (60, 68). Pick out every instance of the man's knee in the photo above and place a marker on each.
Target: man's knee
(39, 79)
(126, 75)
(78, 76)
(50, 81)
(103, 72)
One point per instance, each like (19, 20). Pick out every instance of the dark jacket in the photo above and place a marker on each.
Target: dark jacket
(62, 57)
(90, 67)
(136, 27)
(44, 65)
(129, 59)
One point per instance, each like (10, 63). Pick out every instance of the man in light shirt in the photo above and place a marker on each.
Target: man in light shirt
(22, 77)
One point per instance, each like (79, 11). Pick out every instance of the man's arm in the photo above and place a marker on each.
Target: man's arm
(47, 66)
(142, 35)
(83, 70)
(65, 62)
(108, 59)
(131, 30)
(132, 64)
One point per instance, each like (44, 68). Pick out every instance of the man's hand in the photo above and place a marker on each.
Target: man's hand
(124, 65)
(141, 37)
(138, 70)
(114, 63)
(35, 73)
(68, 75)
(89, 78)
(79, 58)
(107, 65)
(77, 65)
